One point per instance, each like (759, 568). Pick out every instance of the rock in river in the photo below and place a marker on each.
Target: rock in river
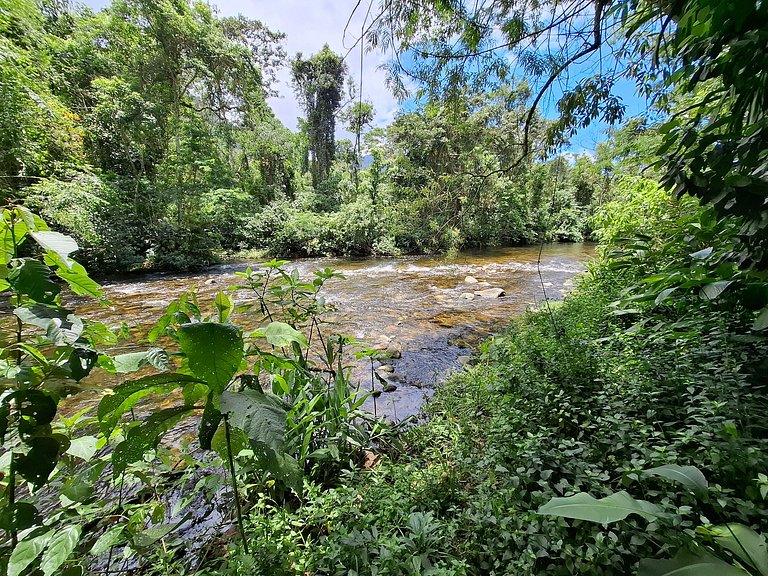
(490, 293)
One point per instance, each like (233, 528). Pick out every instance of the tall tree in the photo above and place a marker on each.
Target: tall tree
(319, 85)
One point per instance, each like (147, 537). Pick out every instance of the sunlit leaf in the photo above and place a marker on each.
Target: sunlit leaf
(612, 508)
(214, 351)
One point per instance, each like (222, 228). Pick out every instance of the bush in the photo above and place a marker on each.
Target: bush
(89, 208)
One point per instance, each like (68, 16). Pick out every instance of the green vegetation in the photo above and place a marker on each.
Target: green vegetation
(152, 117)
(619, 431)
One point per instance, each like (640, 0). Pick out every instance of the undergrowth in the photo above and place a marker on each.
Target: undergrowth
(579, 400)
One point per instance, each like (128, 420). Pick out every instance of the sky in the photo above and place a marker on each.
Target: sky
(309, 24)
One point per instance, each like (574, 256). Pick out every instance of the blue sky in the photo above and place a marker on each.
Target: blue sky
(308, 24)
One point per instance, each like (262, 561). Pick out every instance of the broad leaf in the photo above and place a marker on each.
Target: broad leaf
(280, 334)
(282, 466)
(19, 517)
(57, 242)
(7, 236)
(33, 278)
(688, 564)
(36, 465)
(42, 316)
(761, 322)
(261, 416)
(689, 476)
(108, 539)
(145, 437)
(79, 281)
(59, 549)
(746, 544)
(223, 305)
(26, 552)
(714, 290)
(209, 423)
(83, 447)
(214, 351)
(612, 508)
(125, 396)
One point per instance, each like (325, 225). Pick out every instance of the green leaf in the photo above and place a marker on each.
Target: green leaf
(761, 322)
(77, 490)
(79, 281)
(7, 235)
(19, 517)
(688, 564)
(209, 423)
(261, 416)
(223, 305)
(36, 465)
(83, 447)
(43, 316)
(59, 549)
(612, 508)
(81, 362)
(280, 334)
(26, 552)
(125, 396)
(701, 254)
(33, 278)
(689, 476)
(238, 439)
(664, 294)
(282, 466)
(108, 539)
(714, 290)
(746, 544)
(145, 437)
(57, 242)
(214, 351)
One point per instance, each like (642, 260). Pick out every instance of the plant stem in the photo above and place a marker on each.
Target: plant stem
(231, 460)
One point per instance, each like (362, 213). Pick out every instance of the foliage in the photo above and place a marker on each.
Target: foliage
(319, 84)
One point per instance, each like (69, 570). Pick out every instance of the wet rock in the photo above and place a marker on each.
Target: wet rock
(490, 293)
(376, 393)
(386, 368)
(390, 388)
(394, 352)
(470, 280)
(464, 360)
(482, 284)
(210, 281)
(547, 284)
(467, 296)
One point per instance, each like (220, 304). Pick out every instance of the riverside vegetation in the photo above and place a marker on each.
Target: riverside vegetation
(619, 431)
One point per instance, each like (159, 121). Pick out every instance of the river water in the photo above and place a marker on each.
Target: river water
(421, 308)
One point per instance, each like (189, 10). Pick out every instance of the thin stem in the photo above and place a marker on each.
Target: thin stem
(231, 460)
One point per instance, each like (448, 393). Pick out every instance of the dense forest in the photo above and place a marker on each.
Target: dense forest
(144, 132)
(619, 431)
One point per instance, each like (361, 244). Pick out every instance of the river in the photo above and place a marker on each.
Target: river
(423, 308)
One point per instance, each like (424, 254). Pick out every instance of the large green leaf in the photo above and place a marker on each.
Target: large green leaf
(19, 516)
(209, 423)
(59, 549)
(280, 334)
(145, 437)
(261, 416)
(714, 290)
(746, 544)
(7, 237)
(124, 397)
(612, 508)
(42, 316)
(688, 564)
(33, 278)
(108, 539)
(57, 242)
(26, 552)
(282, 466)
(79, 281)
(133, 361)
(214, 351)
(761, 322)
(224, 306)
(689, 476)
(36, 465)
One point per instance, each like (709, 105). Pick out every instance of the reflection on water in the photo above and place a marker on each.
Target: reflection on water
(422, 307)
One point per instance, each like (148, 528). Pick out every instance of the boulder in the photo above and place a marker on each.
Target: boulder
(467, 296)
(470, 280)
(490, 293)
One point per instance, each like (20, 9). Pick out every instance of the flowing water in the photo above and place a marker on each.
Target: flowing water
(424, 309)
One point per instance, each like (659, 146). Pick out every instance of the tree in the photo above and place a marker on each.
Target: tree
(319, 84)
(711, 54)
